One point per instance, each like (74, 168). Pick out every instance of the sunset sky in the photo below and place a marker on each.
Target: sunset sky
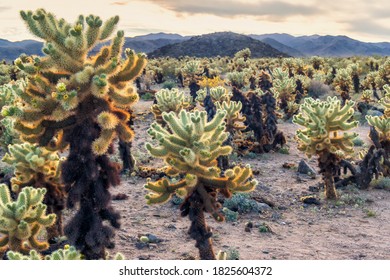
(368, 21)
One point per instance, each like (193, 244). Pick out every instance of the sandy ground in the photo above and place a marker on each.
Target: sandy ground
(357, 227)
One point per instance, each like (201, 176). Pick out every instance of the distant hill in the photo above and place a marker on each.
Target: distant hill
(11, 50)
(214, 44)
(158, 36)
(283, 48)
(151, 42)
(146, 43)
(332, 46)
(226, 43)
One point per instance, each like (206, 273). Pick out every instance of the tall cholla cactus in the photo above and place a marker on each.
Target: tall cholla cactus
(38, 167)
(169, 101)
(191, 148)
(325, 123)
(79, 101)
(343, 83)
(234, 124)
(21, 221)
(234, 118)
(385, 101)
(192, 71)
(284, 90)
(207, 98)
(382, 126)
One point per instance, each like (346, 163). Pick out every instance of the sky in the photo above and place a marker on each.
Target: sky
(363, 20)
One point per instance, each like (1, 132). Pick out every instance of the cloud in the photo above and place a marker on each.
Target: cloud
(367, 26)
(380, 13)
(4, 8)
(118, 3)
(234, 8)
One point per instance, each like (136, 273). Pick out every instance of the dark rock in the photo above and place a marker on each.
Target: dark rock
(153, 238)
(305, 168)
(314, 189)
(310, 200)
(120, 196)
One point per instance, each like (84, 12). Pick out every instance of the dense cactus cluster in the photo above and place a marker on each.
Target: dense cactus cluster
(77, 100)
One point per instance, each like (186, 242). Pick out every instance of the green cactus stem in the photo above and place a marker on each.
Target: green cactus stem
(38, 167)
(21, 221)
(190, 146)
(169, 101)
(324, 135)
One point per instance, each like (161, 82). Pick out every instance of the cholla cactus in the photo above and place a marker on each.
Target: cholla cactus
(284, 90)
(192, 71)
(367, 96)
(81, 101)
(21, 221)
(385, 101)
(383, 75)
(66, 80)
(220, 94)
(234, 118)
(217, 94)
(343, 83)
(32, 165)
(355, 70)
(324, 135)
(237, 79)
(169, 101)
(38, 167)
(191, 148)
(382, 125)
(9, 105)
(67, 253)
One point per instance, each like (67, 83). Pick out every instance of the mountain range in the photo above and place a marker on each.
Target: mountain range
(226, 44)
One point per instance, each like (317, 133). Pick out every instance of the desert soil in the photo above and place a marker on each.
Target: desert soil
(357, 227)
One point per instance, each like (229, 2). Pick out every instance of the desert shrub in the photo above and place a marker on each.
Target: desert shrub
(318, 89)
(241, 203)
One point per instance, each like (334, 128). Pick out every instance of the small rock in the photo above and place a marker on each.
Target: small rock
(288, 165)
(120, 196)
(249, 224)
(275, 216)
(263, 207)
(141, 245)
(144, 258)
(171, 226)
(305, 168)
(265, 252)
(374, 113)
(314, 189)
(310, 200)
(153, 238)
